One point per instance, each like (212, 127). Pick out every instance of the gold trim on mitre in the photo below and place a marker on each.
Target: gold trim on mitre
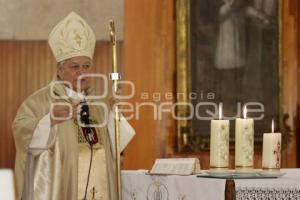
(72, 37)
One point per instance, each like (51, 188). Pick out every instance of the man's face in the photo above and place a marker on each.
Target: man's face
(74, 67)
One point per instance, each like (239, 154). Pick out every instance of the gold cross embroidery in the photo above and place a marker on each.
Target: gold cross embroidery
(78, 39)
(278, 154)
(94, 191)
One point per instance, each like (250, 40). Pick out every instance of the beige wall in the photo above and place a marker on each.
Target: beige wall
(34, 19)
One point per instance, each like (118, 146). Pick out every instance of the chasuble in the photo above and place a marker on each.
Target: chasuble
(57, 167)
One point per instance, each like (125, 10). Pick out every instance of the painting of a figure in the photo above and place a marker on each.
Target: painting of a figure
(234, 55)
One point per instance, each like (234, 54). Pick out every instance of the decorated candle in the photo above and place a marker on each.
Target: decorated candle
(271, 157)
(219, 142)
(244, 142)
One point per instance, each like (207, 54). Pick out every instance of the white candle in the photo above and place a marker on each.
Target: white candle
(219, 142)
(271, 150)
(244, 141)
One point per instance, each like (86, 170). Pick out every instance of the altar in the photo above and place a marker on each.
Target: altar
(138, 185)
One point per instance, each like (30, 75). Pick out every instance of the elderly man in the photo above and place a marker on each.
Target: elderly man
(54, 157)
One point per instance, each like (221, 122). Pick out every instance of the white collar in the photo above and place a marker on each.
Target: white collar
(75, 95)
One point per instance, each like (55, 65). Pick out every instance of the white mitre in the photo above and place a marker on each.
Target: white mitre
(72, 37)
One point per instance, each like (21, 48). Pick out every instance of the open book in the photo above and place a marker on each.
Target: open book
(176, 166)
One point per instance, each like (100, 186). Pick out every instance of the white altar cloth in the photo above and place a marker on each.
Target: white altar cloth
(137, 185)
(7, 191)
(285, 187)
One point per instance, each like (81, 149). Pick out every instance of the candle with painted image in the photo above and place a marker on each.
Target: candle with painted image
(219, 143)
(271, 157)
(244, 142)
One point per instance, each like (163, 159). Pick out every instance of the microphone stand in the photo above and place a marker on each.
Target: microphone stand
(115, 76)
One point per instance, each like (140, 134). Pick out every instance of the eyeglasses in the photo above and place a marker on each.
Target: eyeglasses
(76, 66)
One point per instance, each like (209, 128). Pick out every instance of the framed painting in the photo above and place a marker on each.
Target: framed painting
(229, 53)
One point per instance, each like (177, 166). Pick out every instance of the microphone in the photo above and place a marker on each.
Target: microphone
(88, 132)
